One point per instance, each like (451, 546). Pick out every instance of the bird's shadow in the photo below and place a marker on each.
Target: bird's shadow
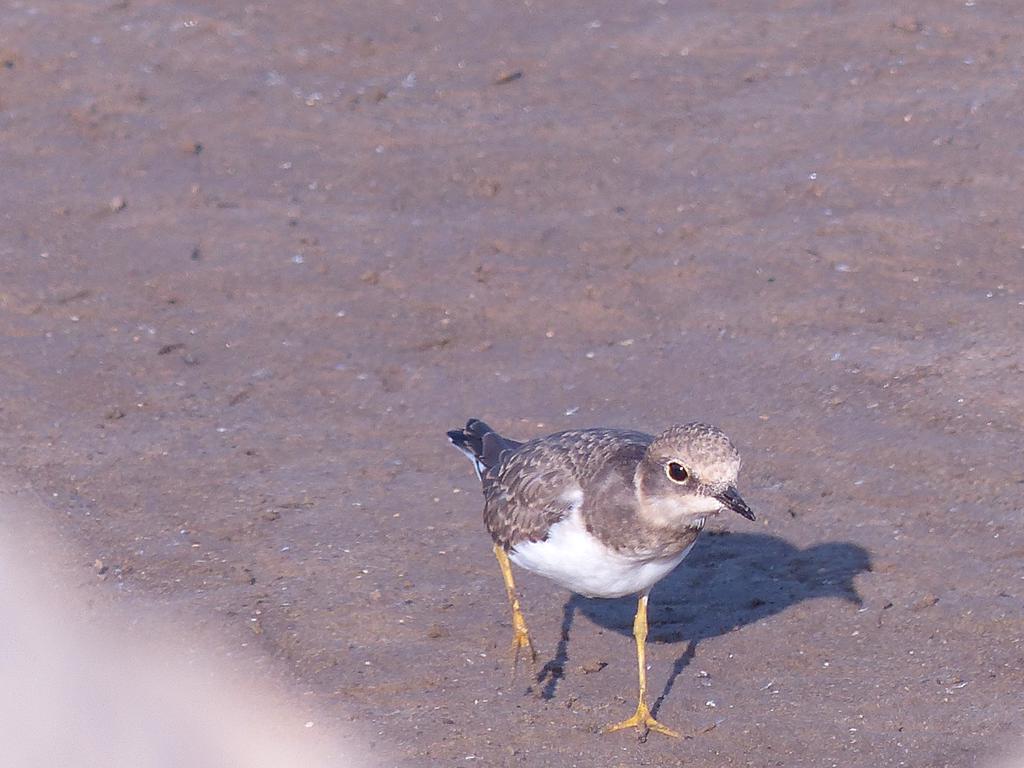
(728, 581)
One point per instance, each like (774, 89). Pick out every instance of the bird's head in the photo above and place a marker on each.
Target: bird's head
(687, 474)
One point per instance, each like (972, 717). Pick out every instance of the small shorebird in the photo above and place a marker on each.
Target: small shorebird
(603, 512)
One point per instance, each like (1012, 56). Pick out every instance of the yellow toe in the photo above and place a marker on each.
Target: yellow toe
(644, 722)
(521, 640)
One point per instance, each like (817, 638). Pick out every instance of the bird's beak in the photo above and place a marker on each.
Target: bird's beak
(731, 498)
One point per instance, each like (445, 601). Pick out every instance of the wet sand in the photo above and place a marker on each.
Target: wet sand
(256, 259)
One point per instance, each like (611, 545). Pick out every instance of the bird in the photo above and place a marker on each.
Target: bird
(603, 512)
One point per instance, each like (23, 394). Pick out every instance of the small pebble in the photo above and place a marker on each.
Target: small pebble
(925, 602)
(511, 77)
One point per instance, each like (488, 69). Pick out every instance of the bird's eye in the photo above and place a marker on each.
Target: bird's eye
(677, 472)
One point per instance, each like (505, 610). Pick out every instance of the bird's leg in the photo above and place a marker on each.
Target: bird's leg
(521, 639)
(642, 719)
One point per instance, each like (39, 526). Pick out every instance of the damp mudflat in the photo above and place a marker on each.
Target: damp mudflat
(256, 259)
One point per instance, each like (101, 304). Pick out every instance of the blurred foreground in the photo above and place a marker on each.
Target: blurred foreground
(91, 682)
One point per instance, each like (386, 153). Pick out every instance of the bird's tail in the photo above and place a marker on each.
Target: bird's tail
(481, 444)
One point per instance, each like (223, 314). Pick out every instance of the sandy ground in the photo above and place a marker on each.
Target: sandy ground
(255, 259)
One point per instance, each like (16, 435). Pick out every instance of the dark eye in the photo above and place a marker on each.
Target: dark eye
(677, 472)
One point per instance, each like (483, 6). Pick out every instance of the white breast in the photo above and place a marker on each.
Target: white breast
(579, 561)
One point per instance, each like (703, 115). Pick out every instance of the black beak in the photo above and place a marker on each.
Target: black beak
(732, 499)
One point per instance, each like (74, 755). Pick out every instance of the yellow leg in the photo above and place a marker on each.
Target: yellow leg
(521, 639)
(642, 719)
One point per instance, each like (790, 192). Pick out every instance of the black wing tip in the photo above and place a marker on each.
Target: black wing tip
(474, 428)
(477, 427)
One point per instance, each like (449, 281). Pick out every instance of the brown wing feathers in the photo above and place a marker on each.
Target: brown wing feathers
(521, 487)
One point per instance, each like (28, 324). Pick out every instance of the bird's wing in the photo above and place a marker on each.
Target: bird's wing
(540, 482)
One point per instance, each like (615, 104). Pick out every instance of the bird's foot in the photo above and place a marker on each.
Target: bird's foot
(521, 640)
(644, 722)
